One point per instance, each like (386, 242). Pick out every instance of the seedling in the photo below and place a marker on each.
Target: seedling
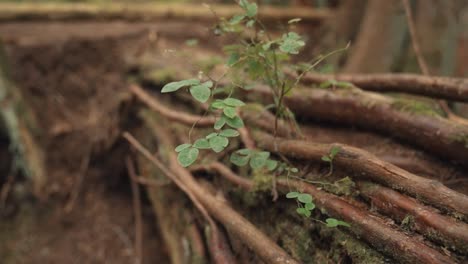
(330, 156)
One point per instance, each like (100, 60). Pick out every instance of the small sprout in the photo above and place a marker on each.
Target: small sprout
(303, 211)
(250, 8)
(271, 164)
(330, 156)
(291, 43)
(211, 135)
(174, 86)
(238, 159)
(332, 222)
(236, 19)
(250, 23)
(233, 102)
(229, 111)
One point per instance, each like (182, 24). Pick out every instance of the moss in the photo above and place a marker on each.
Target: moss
(262, 181)
(461, 138)
(162, 75)
(408, 223)
(416, 107)
(344, 186)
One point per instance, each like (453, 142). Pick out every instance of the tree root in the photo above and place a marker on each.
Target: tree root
(367, 166)
(235, 223)
(455, 89)
(363, 224)
(423, 219)
(418, 124)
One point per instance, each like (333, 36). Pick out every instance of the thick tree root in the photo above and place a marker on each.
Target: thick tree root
(363, 223)
(413, 122)
(455, 89)
(422, 218)
(231, 220)
(367, 166)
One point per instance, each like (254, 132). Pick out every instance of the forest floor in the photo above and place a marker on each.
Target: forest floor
(75, 77)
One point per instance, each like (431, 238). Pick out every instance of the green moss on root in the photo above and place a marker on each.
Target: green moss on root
(416, 107)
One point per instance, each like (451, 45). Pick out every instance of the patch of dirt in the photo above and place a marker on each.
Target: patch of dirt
(77, 91)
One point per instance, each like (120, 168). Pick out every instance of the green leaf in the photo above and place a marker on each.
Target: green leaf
(244, 151)
(236, 19)
(235, 122)
(230, 112)
(239, 160)
(309, 206)
(218, 104)
(202, 91)
(294, 170)
(271, 164)
(218, 143)
(211, 135)
(291, 43)
(303, 211)
(233, 102)
(182, 147)
(259, 159)
(326, 158)
(233, 58)
(201, 144)
(250, 23)
(304, 198)
(220, 122)
(251, 9)
(187, 156)
(334, 151)
(229, 133)
(291, 195)
(174, 86)
(332, 222)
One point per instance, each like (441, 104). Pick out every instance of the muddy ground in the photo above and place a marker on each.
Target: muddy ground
(74, 77)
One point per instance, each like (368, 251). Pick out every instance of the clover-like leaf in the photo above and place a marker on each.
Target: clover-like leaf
(236, 19)
(202, 143)
(259, 159)
(239, 160)
(233, 102)
(229, 111)
(220, 123)
(271, 164)
(187, 156)
(251, 9)
(218, 104)
(304, 198)
(326, 158)
(202, 91)
(218, 143)
(229, 133)
(332, 222)
(211, 135)
(309, 206)
(303, 211)
(244, 151)
(182, 147)
(235, 122)
(291, 43)
(174, 86)
(292, 195)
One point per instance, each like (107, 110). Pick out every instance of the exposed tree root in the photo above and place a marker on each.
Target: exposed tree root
(256, 240)
(367, 166)
(455, 89)
(145, 12)
(413, 122)
(363, 224)
(423, 219)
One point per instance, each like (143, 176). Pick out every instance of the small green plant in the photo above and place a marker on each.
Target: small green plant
(259, 59)
(330, 156)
